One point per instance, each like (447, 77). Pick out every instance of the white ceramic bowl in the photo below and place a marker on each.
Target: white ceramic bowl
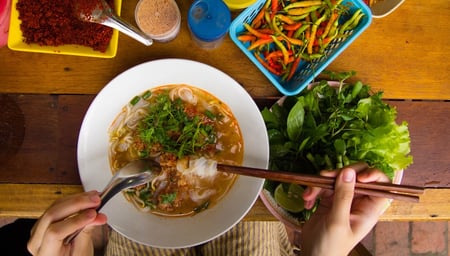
(147, 228)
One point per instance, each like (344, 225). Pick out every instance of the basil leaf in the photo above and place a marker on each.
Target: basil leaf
(295, 121)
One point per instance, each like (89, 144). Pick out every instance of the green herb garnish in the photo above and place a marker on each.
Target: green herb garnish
(168, 125)
(168, 198)
(135, 100)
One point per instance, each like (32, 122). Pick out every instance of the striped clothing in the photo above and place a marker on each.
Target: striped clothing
(246, 238)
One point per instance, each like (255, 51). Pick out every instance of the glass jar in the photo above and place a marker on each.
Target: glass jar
(159, 19)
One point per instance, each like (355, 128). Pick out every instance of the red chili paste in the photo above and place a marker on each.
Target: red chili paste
(54, 23)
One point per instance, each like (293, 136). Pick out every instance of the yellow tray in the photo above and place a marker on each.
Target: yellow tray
(16, 40)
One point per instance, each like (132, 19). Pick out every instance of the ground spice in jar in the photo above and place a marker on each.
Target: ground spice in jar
(54, 23)
(160, 19)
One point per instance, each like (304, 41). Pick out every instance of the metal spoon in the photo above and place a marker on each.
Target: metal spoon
(131, 175)
(104, 14)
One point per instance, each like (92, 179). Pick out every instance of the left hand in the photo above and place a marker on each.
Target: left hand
(61, 219)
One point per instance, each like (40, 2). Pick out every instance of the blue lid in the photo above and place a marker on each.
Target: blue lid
(209, 20)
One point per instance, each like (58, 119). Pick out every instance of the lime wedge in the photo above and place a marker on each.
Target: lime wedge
(291, 200)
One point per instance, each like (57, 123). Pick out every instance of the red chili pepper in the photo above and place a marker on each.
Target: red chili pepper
(276, 65)
(290, 33)
(274, 54)
(272, 70)
(246, 38)
(294, 67)
(267, 31)
(319, 32)
(292, 26)
(274, 8)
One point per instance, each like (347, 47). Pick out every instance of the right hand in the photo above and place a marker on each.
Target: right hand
(62, 218)
(342, 219)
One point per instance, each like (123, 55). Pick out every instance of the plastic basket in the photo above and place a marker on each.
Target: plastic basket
(307, 70)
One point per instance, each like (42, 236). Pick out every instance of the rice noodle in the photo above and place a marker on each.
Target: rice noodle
(184, 185)
(184, 93)
(200, 196)
(201, 167)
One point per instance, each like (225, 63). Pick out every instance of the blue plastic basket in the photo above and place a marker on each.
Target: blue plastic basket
(306, 71)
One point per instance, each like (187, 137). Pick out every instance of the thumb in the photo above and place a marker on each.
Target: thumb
(343, 196)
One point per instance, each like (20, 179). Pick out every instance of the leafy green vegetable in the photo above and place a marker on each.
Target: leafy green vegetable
(168, 198)
(329, 127)
(169, 126)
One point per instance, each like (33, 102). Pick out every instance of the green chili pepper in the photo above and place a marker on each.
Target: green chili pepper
(345, 26)
(301, 11)
(300, 30)
(302, 4)
(298, 17)
(283, 49)
(355, 22)
(312, 37)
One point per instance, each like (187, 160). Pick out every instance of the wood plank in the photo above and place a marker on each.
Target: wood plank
(47, 153)
(434, 205)
(52, 158)
(403, 54)
(428, 124)
(31, 200)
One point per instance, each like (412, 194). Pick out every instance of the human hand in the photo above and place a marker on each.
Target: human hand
(342, 218)
(62, 218)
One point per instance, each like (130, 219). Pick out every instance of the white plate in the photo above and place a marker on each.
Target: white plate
(147, 228)
(382, 8)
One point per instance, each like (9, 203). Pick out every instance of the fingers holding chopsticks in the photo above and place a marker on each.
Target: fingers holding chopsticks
(364, 174)
(341, 211)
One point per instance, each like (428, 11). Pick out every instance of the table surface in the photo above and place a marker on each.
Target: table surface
(43, 99)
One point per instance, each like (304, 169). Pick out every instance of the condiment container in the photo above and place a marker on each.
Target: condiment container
(160, 19)
(208, 22)
(5, 12)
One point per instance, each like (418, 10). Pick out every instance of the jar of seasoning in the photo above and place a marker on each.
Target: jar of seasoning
(208, 22)
(5, 12)
(159, 19)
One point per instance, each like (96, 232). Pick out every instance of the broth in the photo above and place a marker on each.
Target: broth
(188, 131)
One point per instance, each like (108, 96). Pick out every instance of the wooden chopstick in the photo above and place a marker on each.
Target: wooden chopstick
(387, 190)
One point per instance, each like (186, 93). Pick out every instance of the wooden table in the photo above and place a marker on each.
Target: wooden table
(44, 98)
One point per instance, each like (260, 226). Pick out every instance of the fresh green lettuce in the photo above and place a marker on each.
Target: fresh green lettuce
(328, 127)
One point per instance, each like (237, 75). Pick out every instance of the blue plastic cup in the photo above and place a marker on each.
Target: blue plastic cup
(208, 22)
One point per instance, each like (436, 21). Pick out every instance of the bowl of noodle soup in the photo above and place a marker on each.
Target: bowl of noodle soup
(189, 203)
(187, 131)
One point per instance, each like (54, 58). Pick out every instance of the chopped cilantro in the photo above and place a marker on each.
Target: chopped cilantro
(168, 198)
(168, 125)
